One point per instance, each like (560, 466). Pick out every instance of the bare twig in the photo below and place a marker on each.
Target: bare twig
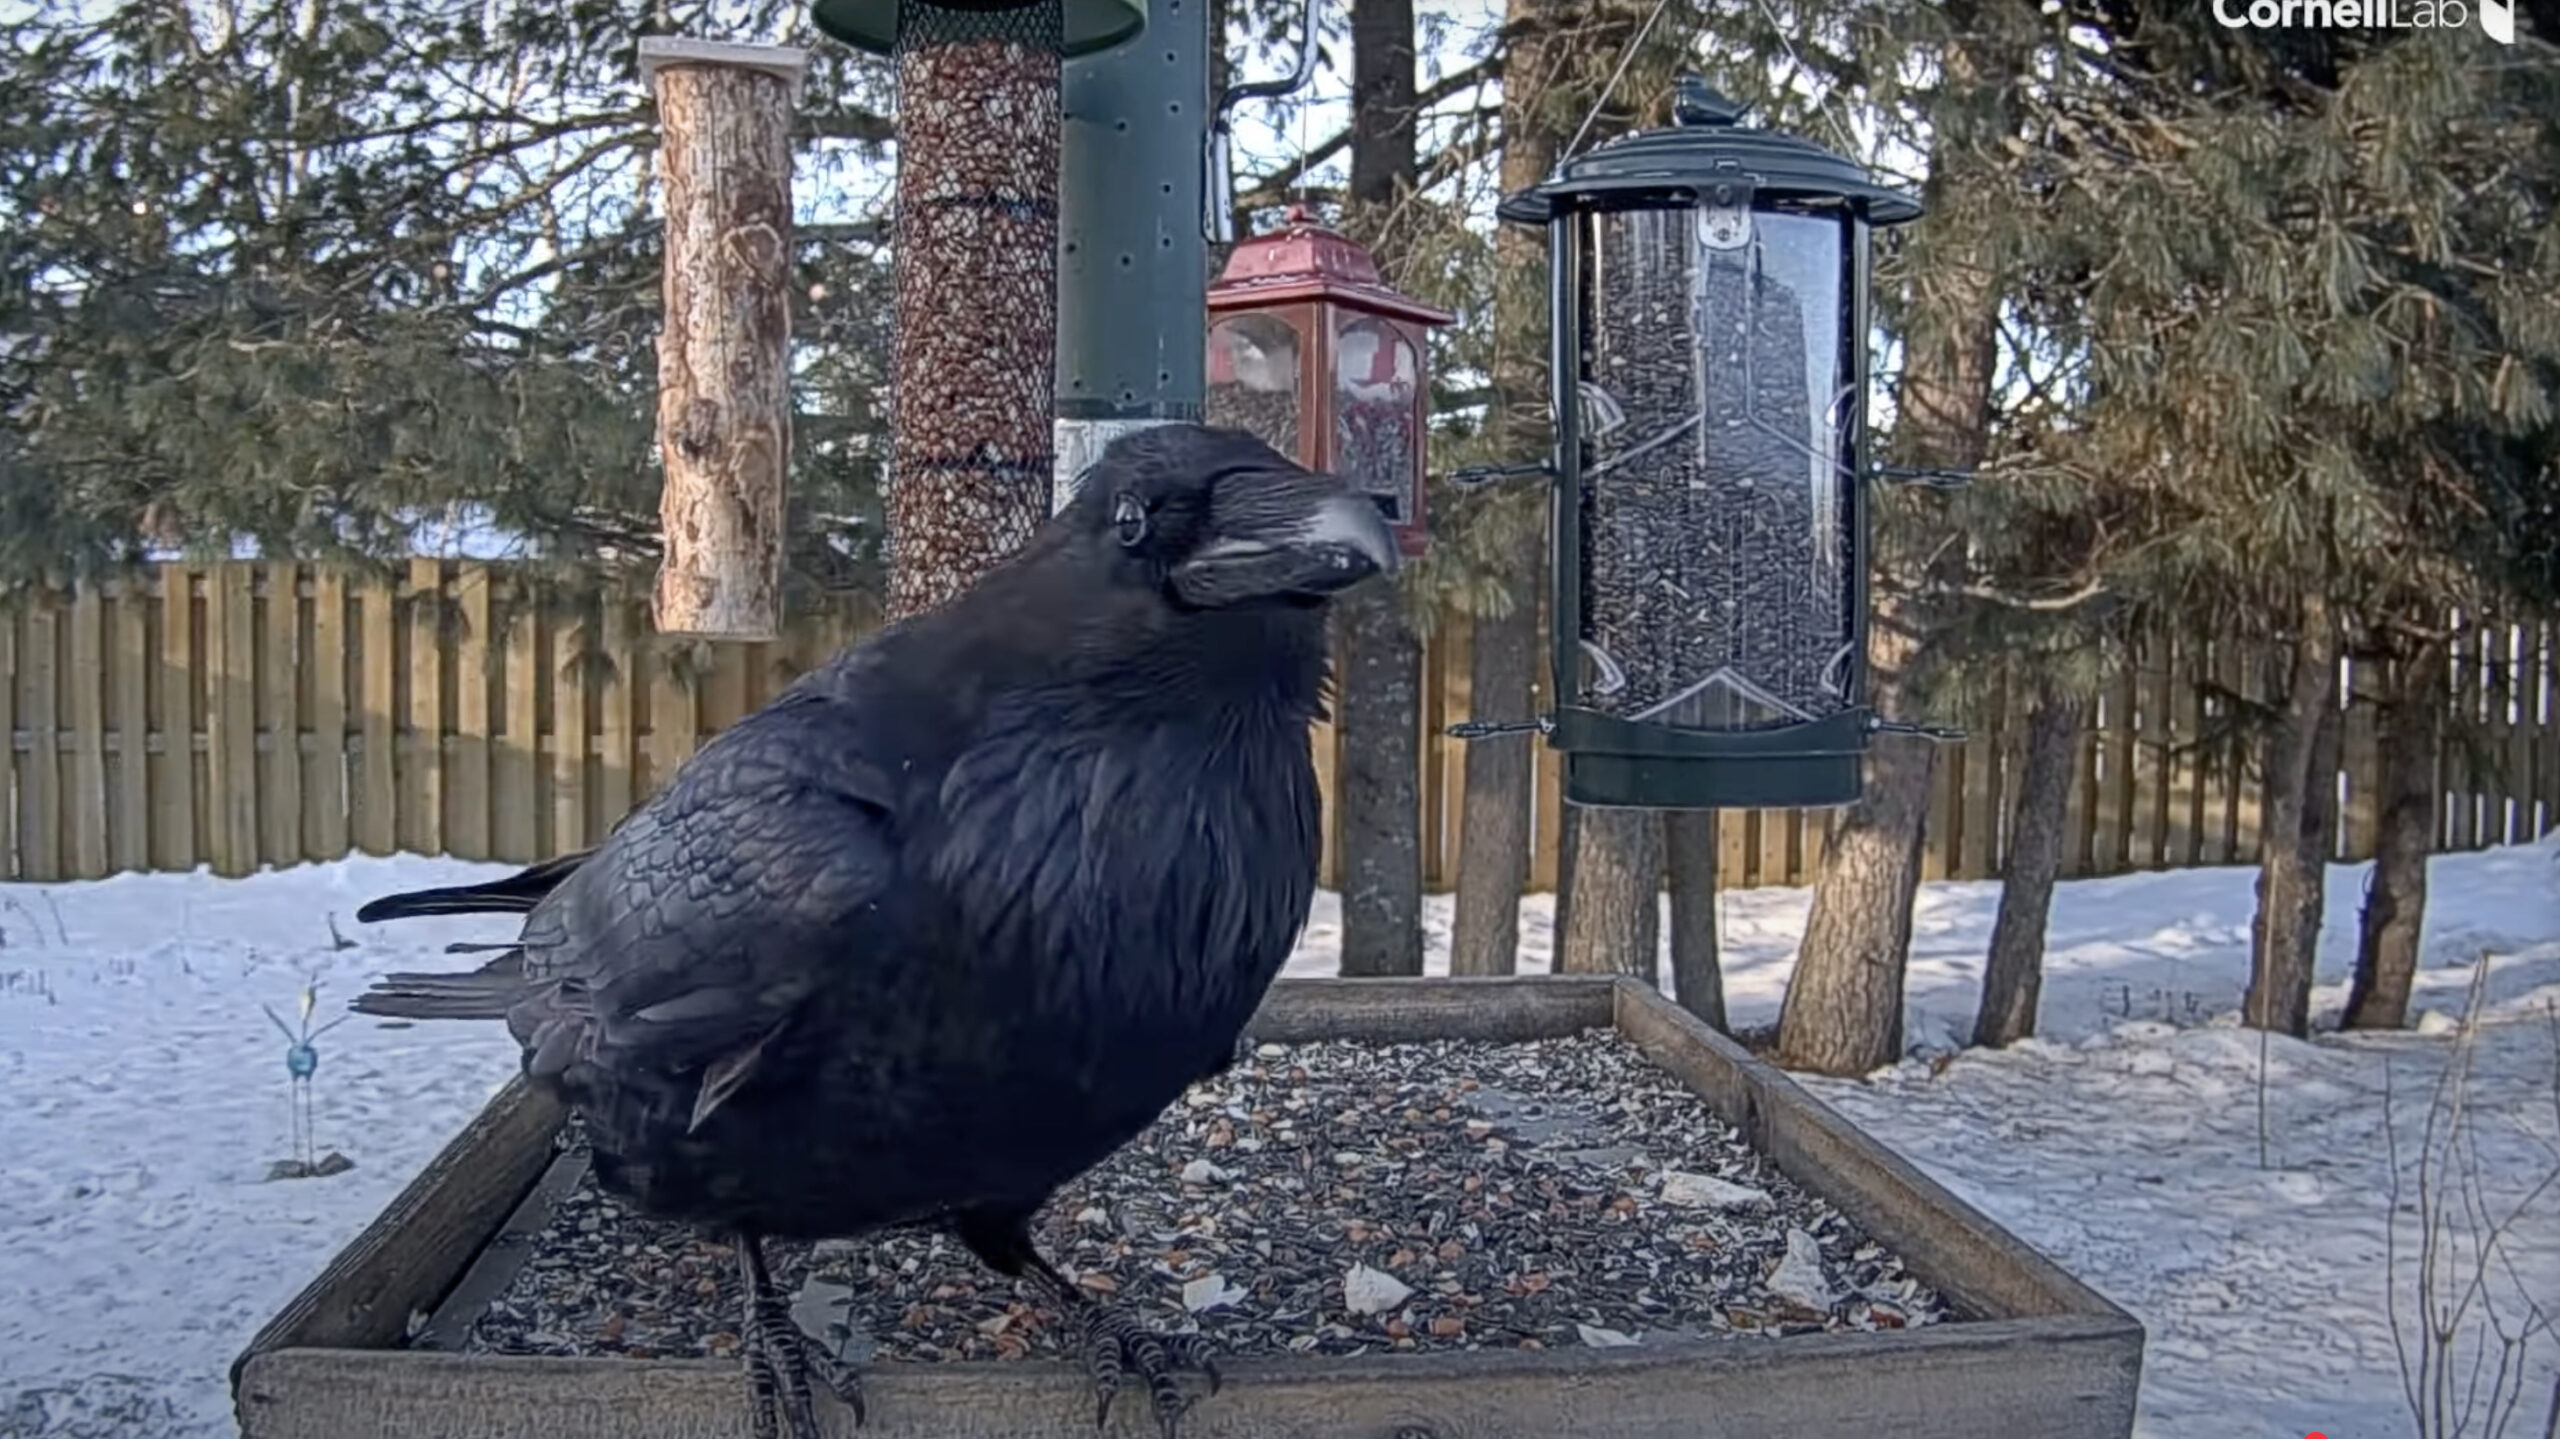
(2463, 1354)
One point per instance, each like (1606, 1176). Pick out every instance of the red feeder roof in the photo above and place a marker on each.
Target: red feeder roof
(1307, 261)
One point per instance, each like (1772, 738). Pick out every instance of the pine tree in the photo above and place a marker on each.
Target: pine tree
(1609, 918)
(305, 275)
(2319, 361)
(1378, 654)
(1843, 1011)
(1504, 659)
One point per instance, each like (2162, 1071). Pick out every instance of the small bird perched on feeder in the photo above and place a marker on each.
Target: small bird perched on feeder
(964, 909)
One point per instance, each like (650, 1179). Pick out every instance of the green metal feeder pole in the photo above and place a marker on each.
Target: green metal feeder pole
(1143, 188)
(1132, 258)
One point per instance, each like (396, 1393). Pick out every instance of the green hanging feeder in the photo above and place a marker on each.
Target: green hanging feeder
(1710, 527)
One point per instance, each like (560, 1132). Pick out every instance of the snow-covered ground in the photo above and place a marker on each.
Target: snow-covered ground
(143, 1097)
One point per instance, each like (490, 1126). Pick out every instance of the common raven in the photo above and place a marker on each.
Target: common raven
(962, 910)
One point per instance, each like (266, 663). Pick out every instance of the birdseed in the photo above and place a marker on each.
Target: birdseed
(1329, 1198)
(1716, 531)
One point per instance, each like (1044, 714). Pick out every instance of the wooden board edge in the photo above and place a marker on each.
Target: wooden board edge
(2070, 1377)
(425, 1238)
(1947, 1242)
(1507, 1009)
(496, 1263)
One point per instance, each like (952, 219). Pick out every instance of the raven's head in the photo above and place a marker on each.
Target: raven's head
(1221, 520)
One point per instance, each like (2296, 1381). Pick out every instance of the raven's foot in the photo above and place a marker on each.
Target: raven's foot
(1117, 1345)
(782, 1358)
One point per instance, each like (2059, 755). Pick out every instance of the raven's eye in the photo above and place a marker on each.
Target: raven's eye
(1130, 518)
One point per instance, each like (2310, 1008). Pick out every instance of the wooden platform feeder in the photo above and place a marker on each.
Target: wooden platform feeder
(2030, 1353)
(724, 373)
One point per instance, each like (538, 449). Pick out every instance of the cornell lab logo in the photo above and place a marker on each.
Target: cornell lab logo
(2497, 17)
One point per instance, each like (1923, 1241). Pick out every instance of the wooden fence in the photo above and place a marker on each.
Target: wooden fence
(239, 715)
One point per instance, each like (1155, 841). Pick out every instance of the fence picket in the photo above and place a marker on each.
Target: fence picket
(282, 668)
(466, 773)
(421, 806)
(88, 788)
(231, 715)
(130, 825)
(517, 771)
(324, 764)
(181, 691)
(613, 686)
(569, 787)
(2515, 775)
(11, 815)
(374, 812)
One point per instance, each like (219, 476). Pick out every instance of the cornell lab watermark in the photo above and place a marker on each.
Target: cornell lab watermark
(2497, 17)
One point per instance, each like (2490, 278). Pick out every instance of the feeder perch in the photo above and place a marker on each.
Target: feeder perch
(1315, 353)
(1710, 526)
(724, 378)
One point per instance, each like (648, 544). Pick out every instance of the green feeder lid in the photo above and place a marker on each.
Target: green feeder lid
(1091, 25)
(1706, 144)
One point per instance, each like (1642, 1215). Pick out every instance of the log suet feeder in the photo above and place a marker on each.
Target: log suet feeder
(1310, 349)
(1709, 537)
(724, 373)
(972, 459)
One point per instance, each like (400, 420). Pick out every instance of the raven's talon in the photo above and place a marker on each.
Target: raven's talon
(1192, 1351)
(834, 1375)
(781, 1360)
(1117, 1344)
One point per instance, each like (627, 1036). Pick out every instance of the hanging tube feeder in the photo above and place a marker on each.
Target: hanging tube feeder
(1710, 545)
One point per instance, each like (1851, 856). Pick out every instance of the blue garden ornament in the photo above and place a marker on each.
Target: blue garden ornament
(301, 1062)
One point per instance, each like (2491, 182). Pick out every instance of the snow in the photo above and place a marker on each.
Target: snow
(146, 1099)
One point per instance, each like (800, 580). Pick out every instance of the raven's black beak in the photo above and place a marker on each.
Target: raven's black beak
(1296, 536)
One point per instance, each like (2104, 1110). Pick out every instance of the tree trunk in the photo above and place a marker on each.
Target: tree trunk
(1843, 1013)
(972, 463)
(2013, 977)
(1380, 707)
(1378, 786)
(1568, 826)
(1697, 972)
(2411, 731)
(1493, 864)
(724, 374)
(1605, 847)
(1615, 923)
(2285, 934)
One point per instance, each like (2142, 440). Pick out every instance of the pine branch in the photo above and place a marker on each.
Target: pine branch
(1274, 188)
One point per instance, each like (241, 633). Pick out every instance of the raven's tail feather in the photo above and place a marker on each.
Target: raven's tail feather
(485, 993)
(514, 894)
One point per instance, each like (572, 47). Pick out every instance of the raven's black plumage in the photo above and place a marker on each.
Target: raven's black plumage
(963, 910)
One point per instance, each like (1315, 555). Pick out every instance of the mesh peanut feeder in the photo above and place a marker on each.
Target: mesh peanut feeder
(971, 467)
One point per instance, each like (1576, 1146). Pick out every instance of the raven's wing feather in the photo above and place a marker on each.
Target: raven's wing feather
(513, 894)
(693, 935)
